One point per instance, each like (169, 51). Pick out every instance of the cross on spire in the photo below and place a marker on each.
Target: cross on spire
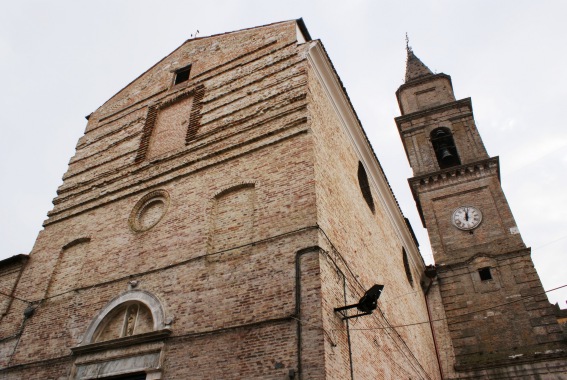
(414, 67)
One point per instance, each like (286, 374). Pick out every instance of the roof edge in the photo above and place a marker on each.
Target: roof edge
(299, 22)
(331, 82)
(19, 258)
(303, 28)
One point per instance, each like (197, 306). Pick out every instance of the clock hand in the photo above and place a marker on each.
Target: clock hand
(467, 214)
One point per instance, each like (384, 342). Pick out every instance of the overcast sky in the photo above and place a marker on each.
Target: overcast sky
(60, 60)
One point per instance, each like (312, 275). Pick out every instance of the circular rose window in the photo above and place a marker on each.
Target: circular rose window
(149, 210)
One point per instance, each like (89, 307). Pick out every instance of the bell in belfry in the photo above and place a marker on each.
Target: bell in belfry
(446, 155)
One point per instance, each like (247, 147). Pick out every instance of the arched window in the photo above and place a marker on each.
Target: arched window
(407, 266)
(130, 318)
(444, 147)
(134, 319)
(365, 186)
(133, 312)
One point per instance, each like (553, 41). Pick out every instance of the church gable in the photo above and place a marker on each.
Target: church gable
(230, 83)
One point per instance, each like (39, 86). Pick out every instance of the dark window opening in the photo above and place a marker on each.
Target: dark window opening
(485, 274)
(182, 75)
(407, 266)
(444, 147)
(365, 186)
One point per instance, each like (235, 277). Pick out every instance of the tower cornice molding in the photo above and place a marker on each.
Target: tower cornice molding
(466, 102)
(418, 82)
(463, 172)
(434, 123)
(450, 177)
(422, 80)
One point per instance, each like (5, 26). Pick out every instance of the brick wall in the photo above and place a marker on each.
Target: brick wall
(248, 230)
(225, 275)
(363, 248)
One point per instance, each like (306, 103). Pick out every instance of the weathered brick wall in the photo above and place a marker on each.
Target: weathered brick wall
(236, 295)
(10, 272)
(525, 324)
(415, 130)
(475, 185)
(499, 325)
(363, 248)
(426, 93)
(260, 84)
(445, 350)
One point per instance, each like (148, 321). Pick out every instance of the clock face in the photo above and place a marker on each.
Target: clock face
(466, 217)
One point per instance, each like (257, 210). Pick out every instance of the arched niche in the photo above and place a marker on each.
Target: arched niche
(124, 340)
(142, 305)
(232, 218)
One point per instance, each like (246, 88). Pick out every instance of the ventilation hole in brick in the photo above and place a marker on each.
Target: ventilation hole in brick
(485, 274)
(365, 186)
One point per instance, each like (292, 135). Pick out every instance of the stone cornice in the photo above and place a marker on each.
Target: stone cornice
(461, 172)
(331, 84)
(448, 176)
(466, 102)
(122, 342)
(421, 80)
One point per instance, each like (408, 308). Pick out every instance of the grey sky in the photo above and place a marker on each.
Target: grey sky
(60, 60)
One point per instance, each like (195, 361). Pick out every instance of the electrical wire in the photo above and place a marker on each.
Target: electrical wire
(173, 265)
(16, 298)
(469, 313)
(551, 242)
(363, 288)
(338, 255)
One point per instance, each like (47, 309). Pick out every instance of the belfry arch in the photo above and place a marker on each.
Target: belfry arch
(444, 147)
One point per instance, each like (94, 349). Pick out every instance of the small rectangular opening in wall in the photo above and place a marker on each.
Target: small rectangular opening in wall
(182, 75)
(485, 274)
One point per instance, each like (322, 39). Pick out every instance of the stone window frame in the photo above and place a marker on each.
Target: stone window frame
(484, 286)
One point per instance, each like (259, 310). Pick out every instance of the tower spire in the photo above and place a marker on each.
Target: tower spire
(414, 67)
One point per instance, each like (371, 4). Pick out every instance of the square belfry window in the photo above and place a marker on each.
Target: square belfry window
(485, 274)
(182, 75)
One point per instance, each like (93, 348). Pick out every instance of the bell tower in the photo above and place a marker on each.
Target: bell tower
(494, 302)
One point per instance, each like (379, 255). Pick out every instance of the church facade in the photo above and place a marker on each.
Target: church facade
(225, 217)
